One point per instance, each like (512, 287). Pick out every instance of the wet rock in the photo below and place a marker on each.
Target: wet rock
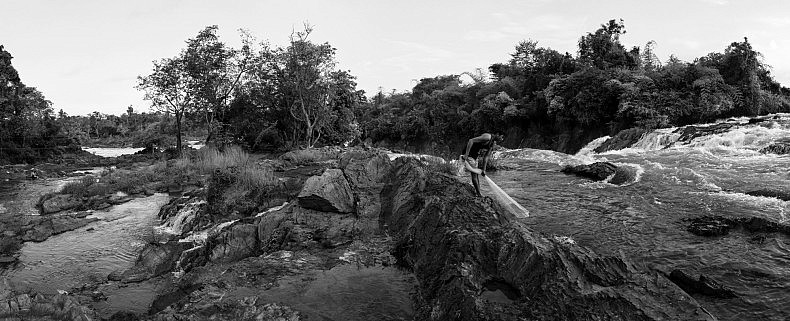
(780, 148)
(295, 228)
(329, 192)
(718, 225)
(624, 175)
(234, 242)
(688, 133)
(623, 139)
(709, 226)
(59, 202)
(597, 171)
(39, 307)
(365, 172)
(155, 259)
(458, 245)
(52, 225)
(703, 285)
(785, 196)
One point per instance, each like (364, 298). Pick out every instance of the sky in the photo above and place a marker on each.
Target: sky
(85, 55)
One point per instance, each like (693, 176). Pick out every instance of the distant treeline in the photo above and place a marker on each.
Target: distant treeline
(274, 98)
(545, 99)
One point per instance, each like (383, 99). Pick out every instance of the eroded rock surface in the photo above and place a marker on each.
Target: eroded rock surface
(462, 250)
(597, 171)
(329, 192)
(623, 139)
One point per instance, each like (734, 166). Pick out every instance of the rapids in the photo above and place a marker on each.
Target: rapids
(673, 180)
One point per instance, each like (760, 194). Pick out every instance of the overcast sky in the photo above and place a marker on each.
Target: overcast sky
(85, 55)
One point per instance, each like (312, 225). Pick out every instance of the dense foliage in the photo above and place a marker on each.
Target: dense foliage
(257, 96)
(545, 99)
(28, 129)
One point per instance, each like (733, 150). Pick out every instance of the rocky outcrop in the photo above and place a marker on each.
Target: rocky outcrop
(25, 306)
(234, 242)
(785, 196)
(597, 171)
(780, 148)
(329, 192)
(623, 139)
(464, 254)
(688, 133)
(365, 172)
(702, 285)
(718, 225)
(154, 260)
(46, 226)
(312, 155)
(59, 202)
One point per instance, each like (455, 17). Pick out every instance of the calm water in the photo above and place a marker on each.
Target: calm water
(644, 219)
(90, 253)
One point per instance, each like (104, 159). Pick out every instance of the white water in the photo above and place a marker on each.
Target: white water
(674, 181)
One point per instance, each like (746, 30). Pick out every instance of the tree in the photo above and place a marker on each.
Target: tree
(170, 90)
(306, 85)
(217, 71)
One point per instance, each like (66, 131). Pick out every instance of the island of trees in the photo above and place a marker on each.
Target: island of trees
(267, 98)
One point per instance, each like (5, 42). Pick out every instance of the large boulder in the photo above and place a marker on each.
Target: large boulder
(597, 171)
(59, 202)
(473, 264)
(235, 242)
(329, 192)
(623, 139)
(702, 285)
(365, 172)
(780, 148)
(154, 260)
(294, 228)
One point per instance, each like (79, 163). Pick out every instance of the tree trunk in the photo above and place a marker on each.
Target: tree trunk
(178, 132)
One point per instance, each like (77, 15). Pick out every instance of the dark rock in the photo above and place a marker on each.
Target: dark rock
(623, 139)
(624, 175)
(780, 148)
(709, 226)
(329, 192)
(59, 202)
(123, 316)
(365, 172)
(235, 242)
(295, 228)
(155, 259)
(703, 285)
(718, 225)
(457, 245)
(597, 171)
(52, 225)
(690, 132)
(785, 196)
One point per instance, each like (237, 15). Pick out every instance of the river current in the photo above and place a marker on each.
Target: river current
(644, 219)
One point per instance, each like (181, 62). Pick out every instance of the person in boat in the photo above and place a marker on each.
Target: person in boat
(479, 149)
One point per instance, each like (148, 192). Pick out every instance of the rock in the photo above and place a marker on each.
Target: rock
(52, 225)
(780, 148)
(597, 171)
(623, 139)
(703, 285)
(59, 202)
(718, 225)
(688, 133)
(235, 242)
(770, 193)
(312, 155)
(329, 192)
(155, 259)
(294, 228)
(459, 247)
(365, 172)
(709, 226)
(624, 175)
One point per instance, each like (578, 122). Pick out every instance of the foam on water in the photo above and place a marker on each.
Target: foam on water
(774, 208)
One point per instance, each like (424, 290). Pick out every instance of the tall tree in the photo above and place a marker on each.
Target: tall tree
(170, 90)
(306, 86)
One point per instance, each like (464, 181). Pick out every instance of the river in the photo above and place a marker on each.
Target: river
(644, 219)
